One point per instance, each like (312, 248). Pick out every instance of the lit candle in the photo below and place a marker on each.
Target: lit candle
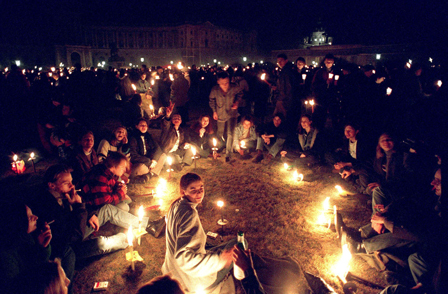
(135, 88)
(151, 107)
(170, 162)
(286, 166)
(388, 91)
(263, 76)
(330, 75)
(131, 247)
(215, 149)
(140, 219)
(312, 105)
(339, 189)
(222, 222)
(336, 77)
(243, 144)
(171, 77)
(32, 157)
(157, 77)
(15, 159)
(326, 204)
(342, 268)
(373, 71)
(439, 83)
(152, 82)
(296, 176)
(193, 150)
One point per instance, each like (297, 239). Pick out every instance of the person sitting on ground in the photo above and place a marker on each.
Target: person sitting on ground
(118, 142)
(101, 185)
(161, 285)
(74, 221)
(200, 135)
(272, 137)
(85, 156)
(244, 136)
(23, 246)
(50, 278)
(174, 139)
(146, 156)
(354, 162)
(310, 142)
(187, 258)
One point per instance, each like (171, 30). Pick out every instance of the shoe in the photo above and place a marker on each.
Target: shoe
(227, 159)
(258, 158)
(354, 246)
(269, 157)
(156, 227)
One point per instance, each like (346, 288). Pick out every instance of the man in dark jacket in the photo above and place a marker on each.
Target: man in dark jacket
(146, 156)
(174, 139)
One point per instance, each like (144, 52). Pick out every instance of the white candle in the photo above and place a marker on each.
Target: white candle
(131, 247)
(140, 219)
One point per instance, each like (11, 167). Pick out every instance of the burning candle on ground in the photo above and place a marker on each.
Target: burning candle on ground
(215, 149)
(32, 157)
(170, 162)
(296, 176)
(140, 219)
(339, 189)
(131, 247)
(342, 267)
(193, 150)
(222, 221)
(388, 91)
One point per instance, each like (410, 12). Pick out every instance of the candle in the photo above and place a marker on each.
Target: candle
(135, 88)
(339, 188)
(215, 149)
(342, 267)
(152, 82)
(151, 107)
(140, 219)
(157, 77)
(32, 157)
(170, 162)
(285, 165)
(336, 77)
(131, 247)
(222, 222)
(193, 150)
(312, 105)
(297, 177)
(388, 91)
(304, 77)
(439, 83)
(330, 76)
(243, 144)
(171, 77)
(263, 76)
(326, 204)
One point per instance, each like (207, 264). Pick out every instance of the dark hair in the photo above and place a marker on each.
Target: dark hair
(187, 179)
(300, 59)
(353, 125)
(198, 125)
(14, 221)
(84, 133)
(53, 172)
(329, 56)
(113, 159)
(222, 75)
(282, 55)
(248, 117)
(280, 115)
(161, 285)
(139, 120)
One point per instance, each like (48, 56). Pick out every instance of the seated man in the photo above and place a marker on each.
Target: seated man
(85, 157)
(174, 140)
(272, 137)
(73, 221)
(146, 156)
(101, 185)
(244, 136)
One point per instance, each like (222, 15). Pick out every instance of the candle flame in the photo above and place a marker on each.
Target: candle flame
(214, 142)
(169, 160)
(134, 87)
(180, 66)
(160, 202)
(312, 102)
(243, 144)
(140, 213)
(306, 102)
(220, 203)
(330, 76)
(303, 76)
(336, 77)
(130, 236)
(339, 188)
(151, 107)
(296, 176)
(152, 82)
(157, 77)
(439, 83)
(286, 165)
(15, 157)
(32, 156)
(263, 76)
(388, 91)
(171, 77)
(342, 267)
(193, 150)
(161, 188)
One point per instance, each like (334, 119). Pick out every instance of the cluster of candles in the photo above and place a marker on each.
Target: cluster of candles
(18, 165)
(295, 174)
(309, 102)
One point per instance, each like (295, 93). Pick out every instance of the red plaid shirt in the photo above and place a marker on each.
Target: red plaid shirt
(100, 186)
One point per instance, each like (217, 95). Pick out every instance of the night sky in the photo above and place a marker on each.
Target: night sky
(280, 24)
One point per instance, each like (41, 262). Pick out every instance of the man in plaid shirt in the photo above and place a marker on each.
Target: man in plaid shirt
(102, 184)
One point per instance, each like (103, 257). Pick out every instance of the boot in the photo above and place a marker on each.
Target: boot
(259, 157)
(156, 227)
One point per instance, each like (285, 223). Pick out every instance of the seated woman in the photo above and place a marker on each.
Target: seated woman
(245, 136)
(186, 258)
(85, 157)
(23, 246)
(310, 145)
(200, 135)
(355, 159)
(118, 142)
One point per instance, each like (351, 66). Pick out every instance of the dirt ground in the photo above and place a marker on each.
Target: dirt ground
(278, 215)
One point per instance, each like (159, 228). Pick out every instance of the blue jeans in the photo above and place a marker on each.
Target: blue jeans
(273, 149)
(103, 245)
(230, 125)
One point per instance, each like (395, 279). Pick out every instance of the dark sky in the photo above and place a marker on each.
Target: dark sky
(280, 24)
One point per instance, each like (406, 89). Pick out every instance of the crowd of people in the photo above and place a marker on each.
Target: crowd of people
(359, 121)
